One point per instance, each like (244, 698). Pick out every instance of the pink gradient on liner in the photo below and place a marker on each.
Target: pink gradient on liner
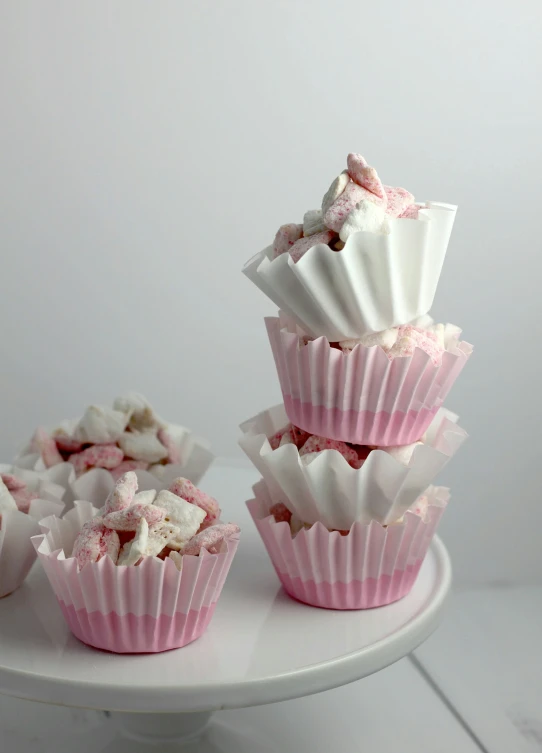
(131, 634)
(361, 427)
(341, 393)
(365, 594)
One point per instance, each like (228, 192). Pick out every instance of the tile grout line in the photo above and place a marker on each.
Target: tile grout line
(446, 701)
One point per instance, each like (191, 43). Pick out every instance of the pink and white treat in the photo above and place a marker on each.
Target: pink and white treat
(106, 442)
(366, 566)
(384, 388)
(21, 509)
(143, 573)
(368, 259)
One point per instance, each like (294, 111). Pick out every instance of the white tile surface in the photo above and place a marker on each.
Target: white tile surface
(395, 710)
(487, 659)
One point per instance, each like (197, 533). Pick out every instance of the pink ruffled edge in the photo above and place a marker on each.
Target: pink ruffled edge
(360, 397)
(372, 566)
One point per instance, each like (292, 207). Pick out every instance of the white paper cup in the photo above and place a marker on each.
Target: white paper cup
(329, 490)
(374, 283)
(17, 554)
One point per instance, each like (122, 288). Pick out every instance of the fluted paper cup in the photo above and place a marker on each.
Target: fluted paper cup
(95, 484)
(48, 484)
(375, 282)
(148, 608)
(371, 566)
(329, 490)
(360, 397)
(17, 554)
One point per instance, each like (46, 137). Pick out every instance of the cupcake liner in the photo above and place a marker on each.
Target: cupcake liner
(360, 397)
(371, 566)
(375, 282)
(48, 484)
(95, 485)
(145, 609)
(17, 554)
(329, 490)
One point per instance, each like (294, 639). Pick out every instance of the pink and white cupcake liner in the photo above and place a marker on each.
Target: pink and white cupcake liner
(371, 566)
(375, 282)
(329, 490)
(17, 555)
(144, 609)
(95, 484)
(360, 397)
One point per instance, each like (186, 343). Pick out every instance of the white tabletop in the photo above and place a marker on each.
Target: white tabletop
(261, 645)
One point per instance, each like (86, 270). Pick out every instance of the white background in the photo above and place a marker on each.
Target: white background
(149, 149)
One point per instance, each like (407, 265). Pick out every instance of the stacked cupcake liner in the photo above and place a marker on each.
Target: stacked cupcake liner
(146, 609)
(371, 566)
(330, 491)
(375, 282)
(360, 397)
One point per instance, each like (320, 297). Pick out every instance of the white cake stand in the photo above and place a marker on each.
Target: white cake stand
(261, 647)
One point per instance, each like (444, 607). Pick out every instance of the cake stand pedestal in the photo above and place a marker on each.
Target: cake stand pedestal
(261, 647)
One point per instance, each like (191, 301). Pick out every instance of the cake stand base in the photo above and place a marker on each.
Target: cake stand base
(162, 728)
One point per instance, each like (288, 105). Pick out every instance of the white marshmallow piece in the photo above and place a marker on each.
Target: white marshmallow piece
(367, 217)
(6, 500)
(186, 516)
(145, 446)
(145, 498)
(134, 550)
(140, 413)
(100, 425)
(313, 222)
(335, 190)
(177, 559)
(385, 339)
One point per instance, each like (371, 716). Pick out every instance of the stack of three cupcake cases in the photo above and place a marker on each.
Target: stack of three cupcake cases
(346, 506)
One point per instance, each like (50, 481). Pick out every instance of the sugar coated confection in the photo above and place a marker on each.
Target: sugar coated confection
(355, 201)
(131, 526)
(14, 494)
(126, 437)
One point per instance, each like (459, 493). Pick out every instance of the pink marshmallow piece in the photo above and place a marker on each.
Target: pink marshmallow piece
(46, 446)
(210, 539)
(174, 451)
(411, 212)
(12, 483)
(107, 456)
(23, 498)
(123, 493)
(285, 238)
(301, 246)
(409, 338)
(67, 444)
(398, 200)
(128, 519)
(94, 542)
(185, 489)
(366, 177)
(319, 444)
(280, 512)
(129, 465)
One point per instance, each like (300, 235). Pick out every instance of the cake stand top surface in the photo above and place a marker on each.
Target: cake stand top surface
(261, 645)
